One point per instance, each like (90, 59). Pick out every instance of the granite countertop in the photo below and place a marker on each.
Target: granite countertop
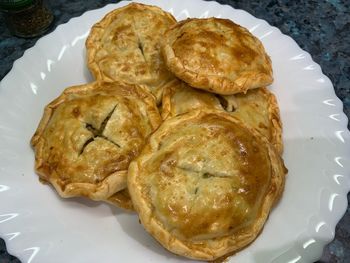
(322, 28)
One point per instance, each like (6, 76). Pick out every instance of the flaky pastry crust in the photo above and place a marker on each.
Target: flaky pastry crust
(205, 183)
(258, 108)
(88, 136)
(216, 55)
(124, 46)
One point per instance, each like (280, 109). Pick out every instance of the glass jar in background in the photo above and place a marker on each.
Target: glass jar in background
(26, 18)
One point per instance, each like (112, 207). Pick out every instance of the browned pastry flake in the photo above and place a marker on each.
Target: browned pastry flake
(121, 199)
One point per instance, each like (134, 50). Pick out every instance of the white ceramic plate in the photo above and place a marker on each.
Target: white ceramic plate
(38, 226)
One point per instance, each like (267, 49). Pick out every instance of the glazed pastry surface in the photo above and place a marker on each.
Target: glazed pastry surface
(258, 108)
(216, 55)
(205, 183)
(124, 45)
(88, 136)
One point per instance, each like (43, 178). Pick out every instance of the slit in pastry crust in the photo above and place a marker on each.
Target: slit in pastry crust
(205, 183)
(88, 136)
(124, 46)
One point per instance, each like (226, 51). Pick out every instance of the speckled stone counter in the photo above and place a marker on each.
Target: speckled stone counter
(322, 28)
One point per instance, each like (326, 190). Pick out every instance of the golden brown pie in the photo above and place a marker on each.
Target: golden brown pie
(258, 108)
(124, 45)
(205, 183)
(88, 136)
(216, 55)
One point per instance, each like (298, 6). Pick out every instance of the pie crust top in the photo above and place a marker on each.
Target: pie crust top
(124, 46)
(204, 184)
(258, 108)
(88, 136)
(216, 55)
